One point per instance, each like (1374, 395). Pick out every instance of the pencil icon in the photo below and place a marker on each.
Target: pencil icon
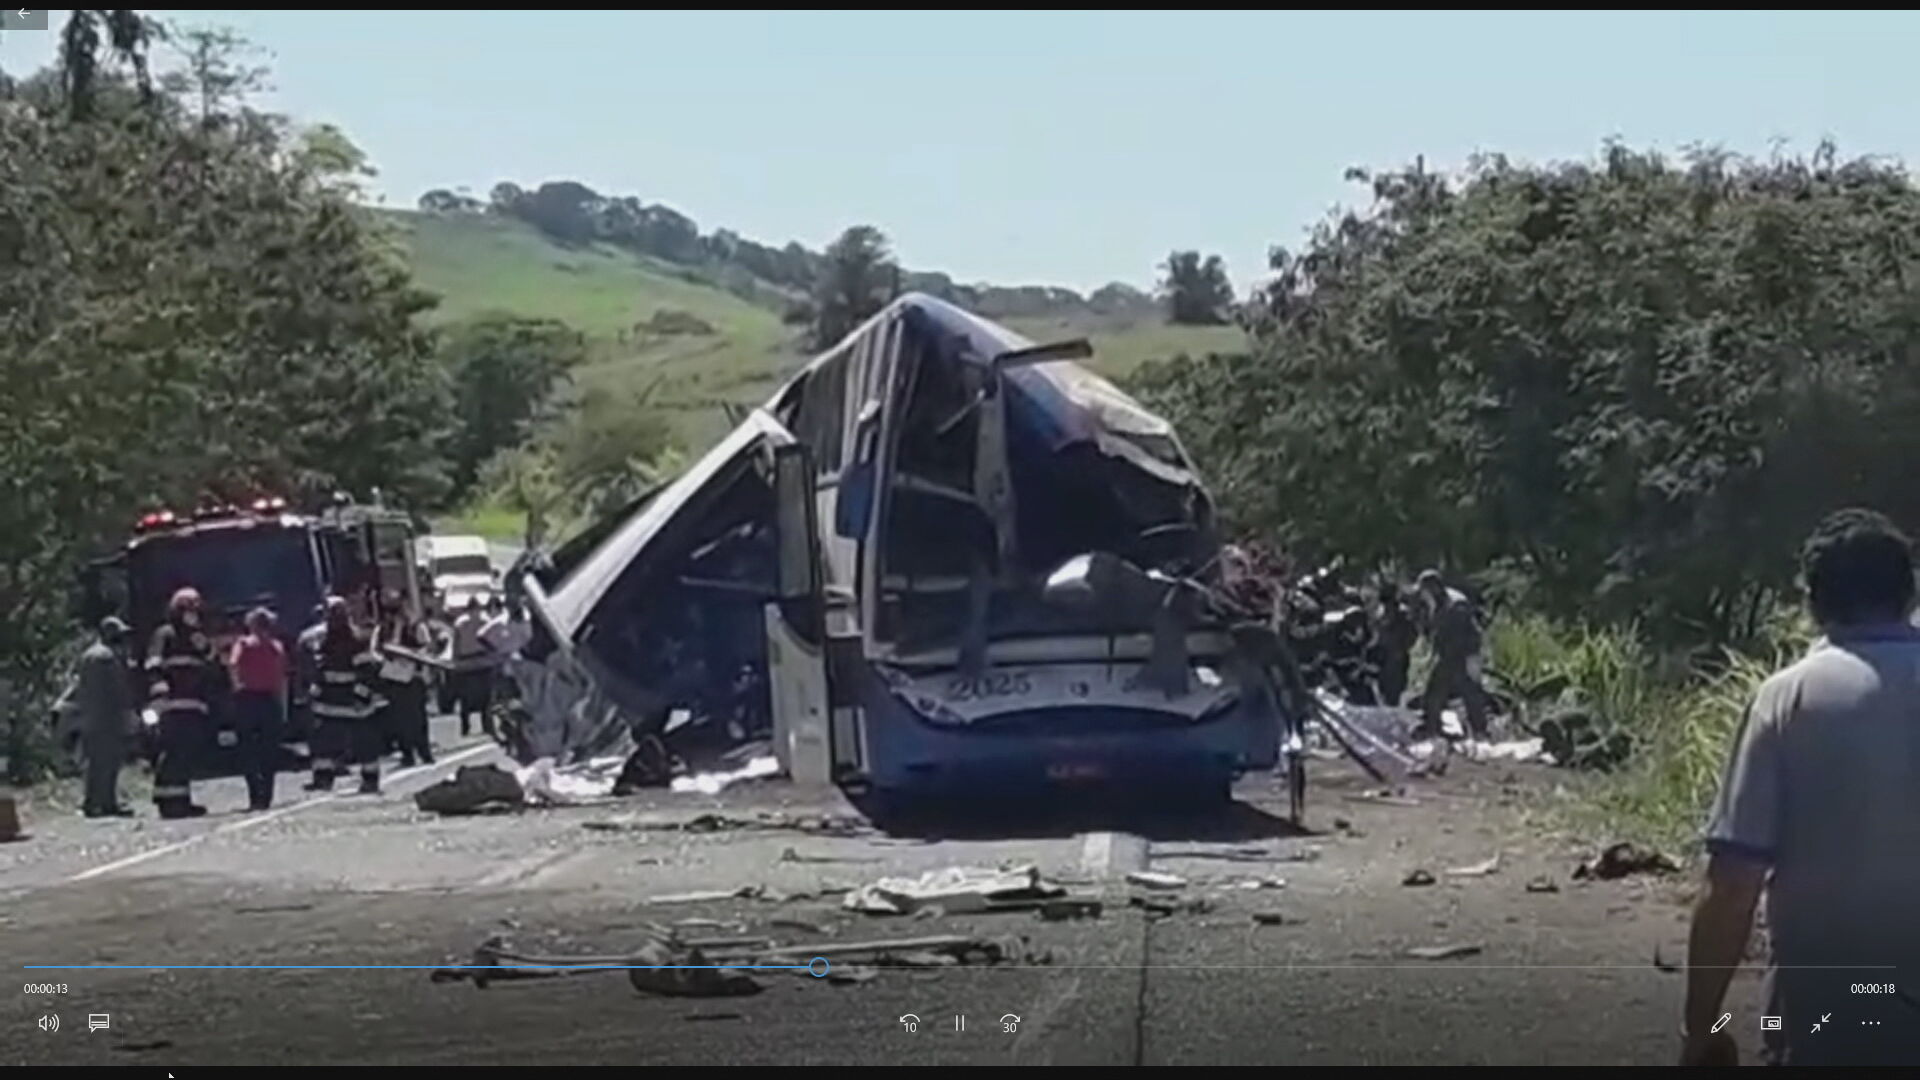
(1725, 1019)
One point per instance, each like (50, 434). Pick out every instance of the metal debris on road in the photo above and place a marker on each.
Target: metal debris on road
(1623, 859)
(1382, 797)
(1418, 877)
(1259, 883)
(1270, 918)
(694, 1017)
(1479, 869)
(783, 923)
(840, 825)
(1069, 908)
(472, 789)
(1542, 884)
(1161, 906)
(1444, 952)
(792, 856)
(744, 892)
(1233, 854)
(955, 889)
(1154, 879)
(548, 784)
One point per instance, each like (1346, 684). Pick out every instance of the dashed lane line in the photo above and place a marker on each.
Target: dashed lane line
(261, 819)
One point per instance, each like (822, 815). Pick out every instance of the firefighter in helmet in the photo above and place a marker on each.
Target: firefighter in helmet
(183, 680)
(343, 698)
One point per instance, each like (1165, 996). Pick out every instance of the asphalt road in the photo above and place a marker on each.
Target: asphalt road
(1558, 977)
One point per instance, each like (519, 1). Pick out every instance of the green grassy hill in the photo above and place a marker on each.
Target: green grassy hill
(478, 263)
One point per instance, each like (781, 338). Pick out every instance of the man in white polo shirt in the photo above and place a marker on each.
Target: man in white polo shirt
(1819, 808)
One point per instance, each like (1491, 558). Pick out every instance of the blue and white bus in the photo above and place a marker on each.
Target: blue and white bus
(953, 561)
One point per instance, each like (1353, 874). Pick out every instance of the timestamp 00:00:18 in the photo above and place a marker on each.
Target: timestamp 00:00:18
(1873, 988)
(43, 988)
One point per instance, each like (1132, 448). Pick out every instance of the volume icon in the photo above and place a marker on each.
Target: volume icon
(50, 1022)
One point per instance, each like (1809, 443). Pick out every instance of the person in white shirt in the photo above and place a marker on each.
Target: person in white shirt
(472, 673)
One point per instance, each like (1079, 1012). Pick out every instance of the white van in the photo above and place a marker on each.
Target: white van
(459, 569)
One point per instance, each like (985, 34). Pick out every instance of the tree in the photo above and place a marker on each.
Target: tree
(184, 308)
(1630, 384)
(1197, 292)
(218, 77)
(857, 278)
(506, 198)
(128, 37)
(503, 370)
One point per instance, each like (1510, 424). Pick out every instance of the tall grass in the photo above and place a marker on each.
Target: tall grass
(1681, 712)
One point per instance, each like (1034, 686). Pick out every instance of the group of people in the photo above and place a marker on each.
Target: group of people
(367, 680)
(1362, 647)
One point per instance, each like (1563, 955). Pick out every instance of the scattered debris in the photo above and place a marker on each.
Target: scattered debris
(1575, 737)
(1159, 906)
(144, 1045)
(272, 909)
(692, 1017)
(704, 924)
(1070, 907)
(1479, 869)
(923, 960)
(680, 973)
(1664, 965)
(1259, 883)
(1543, 884)
(1382, 797)
(786, 923)
(1154, 879)
(744, 892)
(1341, 824)
(1620, 860)
(472, 789)
(712, 783)
(1510, 750)
(841, 825)
(1237, 854)
(1444, 952)
(1308, 853)
(850, 975)
(1418, 877)
(1269, 918)
(793, 856)
(955, 889)
(546, 784)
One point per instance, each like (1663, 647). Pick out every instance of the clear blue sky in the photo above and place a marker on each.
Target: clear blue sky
(1059, 148)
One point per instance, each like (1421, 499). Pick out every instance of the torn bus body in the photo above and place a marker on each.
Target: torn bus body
(939, 557)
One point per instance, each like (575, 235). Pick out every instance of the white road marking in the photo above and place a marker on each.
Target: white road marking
(261, 819)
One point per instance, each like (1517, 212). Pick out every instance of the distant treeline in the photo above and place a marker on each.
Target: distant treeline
(573, 213)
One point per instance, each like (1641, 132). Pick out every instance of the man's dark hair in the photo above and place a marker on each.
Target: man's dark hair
(1859, 568)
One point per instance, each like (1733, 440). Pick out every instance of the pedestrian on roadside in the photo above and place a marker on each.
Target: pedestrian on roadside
(259, 664)
(404, 681)
(104, 696)
(1454, 632)
(1819, 808)
(472, 669)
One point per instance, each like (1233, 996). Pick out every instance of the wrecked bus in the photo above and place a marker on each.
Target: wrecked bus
(941, 560)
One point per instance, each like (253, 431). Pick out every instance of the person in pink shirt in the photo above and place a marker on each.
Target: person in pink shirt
(259, 666)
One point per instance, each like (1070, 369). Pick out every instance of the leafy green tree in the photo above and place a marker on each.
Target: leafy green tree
(858, 277)
(185, 307)
(128, 37)
(1196, 290)
(1632, 384)
(503, 369)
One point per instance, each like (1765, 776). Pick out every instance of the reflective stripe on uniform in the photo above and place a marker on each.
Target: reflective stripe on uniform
(366, 658)
(341, 678)
(321, 764)
(179, 705)
(182, 661)
(171, 791)
(345, 712)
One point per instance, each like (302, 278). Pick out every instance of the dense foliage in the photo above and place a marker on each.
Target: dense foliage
(1627, 388)
(857, 278)
(504, 371)
(188, 305)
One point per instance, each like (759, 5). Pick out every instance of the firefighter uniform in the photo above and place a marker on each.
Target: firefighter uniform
(183, 683)
(345, 706)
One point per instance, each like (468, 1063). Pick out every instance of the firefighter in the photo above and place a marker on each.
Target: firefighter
(183, 682)
(404, 682)
(1454, 632)
(345, 707)
(324, 757)
(1398, 632)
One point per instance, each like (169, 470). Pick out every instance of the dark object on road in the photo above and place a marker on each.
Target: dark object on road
(649, 766)
(699, 1017)
(680, 972)
(9, 821)
(1622, 859)
(1269, 918)
(1071, 907)
(1444, 952)
(1663, 965)
(1577, 739)
(472, 789)
(144, 1045)
(1160, 906)
(1543, 884)
(1418, 877)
